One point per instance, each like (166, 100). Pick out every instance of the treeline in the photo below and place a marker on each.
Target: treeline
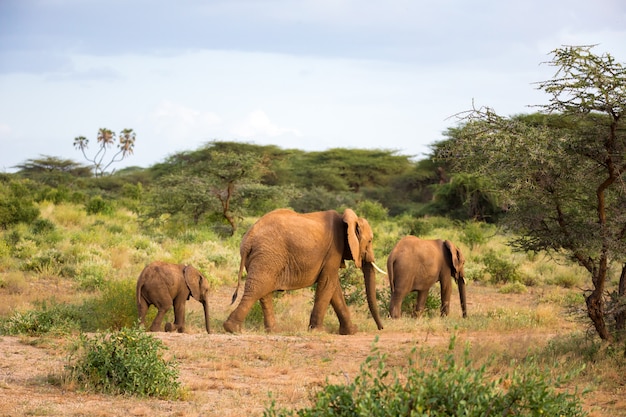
(222, 182)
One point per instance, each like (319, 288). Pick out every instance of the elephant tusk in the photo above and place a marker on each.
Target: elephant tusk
(378, 269)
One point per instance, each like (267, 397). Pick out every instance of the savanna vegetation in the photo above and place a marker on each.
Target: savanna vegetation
(543, 236)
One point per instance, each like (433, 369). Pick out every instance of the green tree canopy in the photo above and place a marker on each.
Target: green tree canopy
(52, 170)
(561, 174)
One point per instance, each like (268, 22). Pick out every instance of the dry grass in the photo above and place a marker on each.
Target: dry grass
(233, 375)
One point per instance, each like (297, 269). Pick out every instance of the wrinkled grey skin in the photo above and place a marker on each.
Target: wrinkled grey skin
(285, 250)
(166, 285)
(415, 264)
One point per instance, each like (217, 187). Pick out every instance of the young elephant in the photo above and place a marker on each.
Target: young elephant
(415, 264)
(165, 285)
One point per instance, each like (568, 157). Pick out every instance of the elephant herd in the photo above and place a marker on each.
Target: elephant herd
(285, 250)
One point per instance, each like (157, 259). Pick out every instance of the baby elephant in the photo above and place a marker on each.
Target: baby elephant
(165, 285)
(416, 264)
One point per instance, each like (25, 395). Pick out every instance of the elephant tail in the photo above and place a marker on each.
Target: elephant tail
(239, 275)
(390, 276)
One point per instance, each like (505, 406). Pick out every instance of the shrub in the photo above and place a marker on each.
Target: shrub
(513, 288)
(113, 309)
(58, 319)
(352, 284)
(450, 389)
(473, 234)
(16, 203)
(92, 277)
(371, 210)
(500, 269)
(128, 361)
(97, 205)
(48, 262)
(42, 226)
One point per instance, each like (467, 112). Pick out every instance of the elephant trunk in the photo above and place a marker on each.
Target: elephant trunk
(205, 305)
(369, 275)
(461, 284)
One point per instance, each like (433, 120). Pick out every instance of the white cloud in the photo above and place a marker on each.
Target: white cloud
(181, 123)
(259, 124)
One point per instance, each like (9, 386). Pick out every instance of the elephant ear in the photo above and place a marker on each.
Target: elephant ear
(193, 279)
(457, 259)
(351, 219)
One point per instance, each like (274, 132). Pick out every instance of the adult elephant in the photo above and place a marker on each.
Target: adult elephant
(165, 285)
(285, 250)
(415, 264)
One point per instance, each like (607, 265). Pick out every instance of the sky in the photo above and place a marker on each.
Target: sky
(304, 74)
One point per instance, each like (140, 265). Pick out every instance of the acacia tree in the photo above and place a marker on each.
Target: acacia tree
(561, 172)
(205, 183)
(106, 139)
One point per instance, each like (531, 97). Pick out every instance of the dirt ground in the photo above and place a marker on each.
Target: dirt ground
(232, 375)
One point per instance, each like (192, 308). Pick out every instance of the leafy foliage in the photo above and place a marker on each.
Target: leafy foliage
(128, 361)
(500, 269)
(112, 309)
(568, 191)
(53, 318)
(16, 203)
(450, 389)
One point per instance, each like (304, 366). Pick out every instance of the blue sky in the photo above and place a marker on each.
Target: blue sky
(302, 74)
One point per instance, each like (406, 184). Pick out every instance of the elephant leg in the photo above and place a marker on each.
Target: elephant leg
(323, 294)
(238, 315)
(267, 305)
(420, 303)
(395, 304)
(179, 316)
(446, 291)
(338, 302)
(156, 323)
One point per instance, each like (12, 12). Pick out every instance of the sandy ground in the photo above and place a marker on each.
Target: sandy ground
(233, 375)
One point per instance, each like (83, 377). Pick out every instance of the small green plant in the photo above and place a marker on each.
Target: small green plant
(352, 285)
(372, 210)
(128, 361)
(112, 309)
(42, 226)
(98, 205)
(513, 288)
(57, 319)
(449, 389)
(501, 270)
(473, 234)
(92, 277)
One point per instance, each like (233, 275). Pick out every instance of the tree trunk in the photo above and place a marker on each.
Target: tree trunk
(620, 315)
(595, 310)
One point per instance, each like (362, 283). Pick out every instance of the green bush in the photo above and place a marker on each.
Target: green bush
(500, 269)
(128, 361)
(16, 203)
(97, 205)
(42, 226)
(57, 319)
(372, 210)
(474, 234)
(449, 389)
(513, 288)
(112, 309)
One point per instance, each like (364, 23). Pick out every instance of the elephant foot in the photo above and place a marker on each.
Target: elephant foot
(232, 327)
(169, 327)
(348, 329)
